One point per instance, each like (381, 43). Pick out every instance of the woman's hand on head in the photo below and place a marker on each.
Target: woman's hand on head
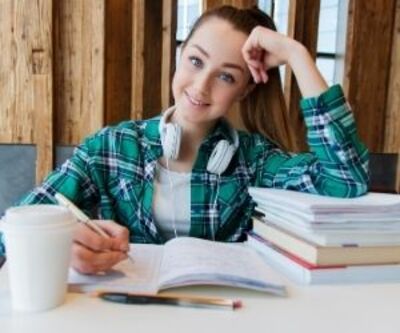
(265, 49)
(92, 253)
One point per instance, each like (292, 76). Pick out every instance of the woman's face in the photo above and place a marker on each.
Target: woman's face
(211, 74)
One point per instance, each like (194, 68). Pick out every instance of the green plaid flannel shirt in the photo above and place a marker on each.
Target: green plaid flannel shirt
(110, 175)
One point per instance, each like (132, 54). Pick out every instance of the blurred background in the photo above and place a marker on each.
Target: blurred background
(70, 67)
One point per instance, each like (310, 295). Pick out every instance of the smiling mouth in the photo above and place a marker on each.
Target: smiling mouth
(195, 101)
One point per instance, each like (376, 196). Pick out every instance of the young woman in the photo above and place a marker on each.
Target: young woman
(187, 171)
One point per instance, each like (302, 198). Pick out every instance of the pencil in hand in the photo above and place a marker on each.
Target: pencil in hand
(82, 217)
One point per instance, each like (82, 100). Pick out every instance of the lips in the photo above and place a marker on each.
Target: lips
(194, 101)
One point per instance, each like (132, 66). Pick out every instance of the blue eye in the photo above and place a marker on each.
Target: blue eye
(196, 61)
(227, 78)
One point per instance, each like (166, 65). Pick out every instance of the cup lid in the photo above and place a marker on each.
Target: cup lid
(38, 215)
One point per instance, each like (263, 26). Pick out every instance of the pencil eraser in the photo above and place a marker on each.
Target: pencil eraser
(237, 304)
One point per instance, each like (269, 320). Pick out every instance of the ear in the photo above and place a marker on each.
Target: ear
(250, 87)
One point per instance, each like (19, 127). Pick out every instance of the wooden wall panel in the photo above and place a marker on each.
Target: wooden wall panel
(209, 4)
(44, 127)
(20, 26)
(79, 68)
(392, 121)
(146, 58)
(42, 70)
(302, 26)
(368, 52)
(168, 50)
(118, 63)
(137, 59)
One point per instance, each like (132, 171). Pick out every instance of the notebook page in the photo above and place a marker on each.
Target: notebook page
(139, 276)
(191, 261)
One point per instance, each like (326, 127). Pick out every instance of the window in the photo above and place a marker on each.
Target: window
(280, 11)
(330, 43)
(188, 12)
(327, 39)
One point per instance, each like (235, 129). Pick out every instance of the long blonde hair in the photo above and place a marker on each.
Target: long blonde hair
(263, 110)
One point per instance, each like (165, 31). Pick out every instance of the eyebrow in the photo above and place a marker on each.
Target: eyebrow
(225, 64)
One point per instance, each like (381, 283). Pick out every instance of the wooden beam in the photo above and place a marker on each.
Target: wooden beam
(370, 29)
(303, 27)
(43, 126)
(392, 133)
(168, 50)
(146, 58)
(209, 4)
(118, 62)
(138, 16)
(43, 88)
(79, 68)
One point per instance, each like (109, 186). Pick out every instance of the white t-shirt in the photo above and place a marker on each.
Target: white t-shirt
(171, 202)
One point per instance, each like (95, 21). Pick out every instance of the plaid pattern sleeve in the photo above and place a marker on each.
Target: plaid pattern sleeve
(72, 179)
(337, 164)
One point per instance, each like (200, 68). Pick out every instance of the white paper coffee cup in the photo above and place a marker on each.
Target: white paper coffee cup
(38, 242)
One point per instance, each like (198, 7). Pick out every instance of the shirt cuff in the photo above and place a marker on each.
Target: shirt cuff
(331, 105)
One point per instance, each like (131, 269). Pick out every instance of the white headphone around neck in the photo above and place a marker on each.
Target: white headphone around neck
(171, 135)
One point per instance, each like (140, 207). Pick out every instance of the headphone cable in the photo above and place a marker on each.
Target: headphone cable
(173, 199)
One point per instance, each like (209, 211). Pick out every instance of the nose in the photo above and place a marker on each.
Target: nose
(202, 84)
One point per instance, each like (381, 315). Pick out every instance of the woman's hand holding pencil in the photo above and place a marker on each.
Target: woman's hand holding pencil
(98, 244)
(92, 253)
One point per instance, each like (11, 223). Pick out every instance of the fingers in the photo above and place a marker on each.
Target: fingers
(91, 239)
(264, 76)
(119, 234)
(254, 55)
(93, 253)
(254, 74)
(87, 261)
(258, 73)
(265, 49)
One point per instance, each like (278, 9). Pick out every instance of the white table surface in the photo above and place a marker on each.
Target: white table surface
(345, 308)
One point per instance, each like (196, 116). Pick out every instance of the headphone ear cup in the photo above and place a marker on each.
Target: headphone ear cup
(171, 140)
(220, 157)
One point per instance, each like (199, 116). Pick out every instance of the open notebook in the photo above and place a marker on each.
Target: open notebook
(181, 262)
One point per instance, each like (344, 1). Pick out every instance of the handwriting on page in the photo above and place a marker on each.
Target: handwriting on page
(196, 258)
(141, 276)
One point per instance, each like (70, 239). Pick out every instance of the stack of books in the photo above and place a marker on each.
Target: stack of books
(316, 239)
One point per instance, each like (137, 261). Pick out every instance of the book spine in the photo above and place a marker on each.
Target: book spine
(287, 241)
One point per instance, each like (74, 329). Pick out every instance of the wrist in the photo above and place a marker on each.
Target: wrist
(308, 77)
(297, 52)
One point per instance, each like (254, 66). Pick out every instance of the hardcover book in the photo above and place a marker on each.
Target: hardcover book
(351, 254)
(301, 272)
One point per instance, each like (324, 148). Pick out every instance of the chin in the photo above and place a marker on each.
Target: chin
(196, 118)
